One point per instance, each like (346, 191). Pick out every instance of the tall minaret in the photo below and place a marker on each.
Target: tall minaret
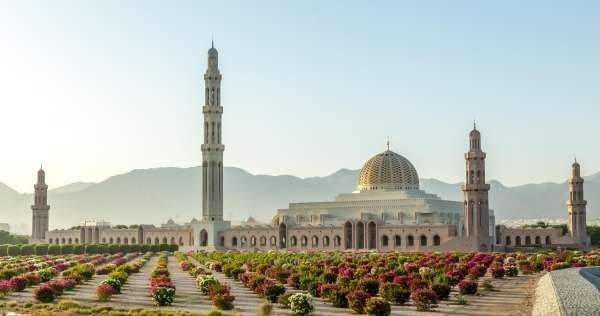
(576, 207)
(40, 208)
(476, 215)
(212, 148)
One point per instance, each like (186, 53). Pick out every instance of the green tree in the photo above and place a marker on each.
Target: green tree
(594, 233)
(7, 238)
(120, 226)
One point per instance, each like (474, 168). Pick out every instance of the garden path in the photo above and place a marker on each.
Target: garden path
(187, 295)
(135, 291)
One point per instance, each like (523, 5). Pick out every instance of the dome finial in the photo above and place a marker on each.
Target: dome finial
(388, 143)
(474, 124)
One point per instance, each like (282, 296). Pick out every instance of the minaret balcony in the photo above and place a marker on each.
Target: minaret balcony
(213, 147)
(472, 154)
(212, 109)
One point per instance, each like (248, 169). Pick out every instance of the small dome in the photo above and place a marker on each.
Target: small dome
(388, 171)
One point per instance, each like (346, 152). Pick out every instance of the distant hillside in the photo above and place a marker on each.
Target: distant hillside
(154, 195)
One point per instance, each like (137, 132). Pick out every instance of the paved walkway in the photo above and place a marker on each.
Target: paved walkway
(135, 291)
(188, 296)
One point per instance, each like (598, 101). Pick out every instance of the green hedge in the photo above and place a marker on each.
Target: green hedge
(66, 249)
(54, 250)
(78, 249)
(3, 249)
(41, 249)
(13, 250)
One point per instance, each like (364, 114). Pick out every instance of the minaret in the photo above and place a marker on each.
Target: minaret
(476, 214)
(576, 207)
(212, 148)
(40, 208)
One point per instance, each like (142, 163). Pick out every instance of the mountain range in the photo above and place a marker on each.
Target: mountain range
(154, 195)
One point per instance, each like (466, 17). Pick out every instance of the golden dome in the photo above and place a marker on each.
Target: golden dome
(388, 171)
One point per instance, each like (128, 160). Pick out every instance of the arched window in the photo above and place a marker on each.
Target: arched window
(111, 240)
(547, 240)
(518, 240)
(148, 241)
(397, 241)
(304, 241)
(133, 240)
(104, 240)
(181, 241)
(436, 240)
(326, 241)
(384, 241)
(348, 232)
(203, 238)
(410, 241)
(360, 235)
(126, 240)
(527, 240)
(234, 241)
(507, 240)
(64, 241)
(337, 241)
(263, 240)
(253, 241)
(372, 235)
(156, 241)
(118, 240)
(164, 240)
(50, 240)
(70, 241)
(273, 241)
(173, 241)
(244, 241)
(538, 240)
(221, 241)
(423, 240)
(315, 241)
(76, 240)
(293, 241)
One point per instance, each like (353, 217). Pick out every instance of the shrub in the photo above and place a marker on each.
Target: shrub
(468, 287)
(357, 301)
(66, 249)
(114, 283)
(164, 247)
(54, 249)
(441, 290)
(57, 286)
(284, 300)
(32, 278)
(46, 274)
(173, 247)
(395, 292)
(104, 292)
(27, 250)
(102, 248)
(497, 272)
(370, 286)
(3, 250)
(264, 309)
(91, 248)
(17, 284)
(203, 282)
(84, 270)
(378, 306)
(273, 291)
(67, 305)
(4, 288)
(13, 250)
(223, 301)
(113, 248)
(301, 304)
(424, 299)
(41, 249)
(163, 296)
(338, 298)
(124, 248)
(44, 293)
(119, 275)
(511, 271)
(155, 248)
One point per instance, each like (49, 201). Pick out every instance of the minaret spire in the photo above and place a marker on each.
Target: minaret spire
(40, 208)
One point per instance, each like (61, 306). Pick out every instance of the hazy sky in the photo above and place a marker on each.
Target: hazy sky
(97, 88)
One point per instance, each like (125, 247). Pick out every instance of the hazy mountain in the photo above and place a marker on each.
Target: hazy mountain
(155, 195)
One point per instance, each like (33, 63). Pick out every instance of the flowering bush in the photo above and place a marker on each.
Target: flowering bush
(301, 304)
(216, 266)
(273, 291)
(114, 283)
(424, 299)
(4, 288)
(394, 292)
(357, 301)
(203, 282)
(32, 278)
(378, 306)
(46, 274)
(370, 286)
(44, 293)
(104, 292)
(223, 301)
(163, 296)
(497, 272)
(467, 286)
(441, 290)
(17, 284)
(511, 271)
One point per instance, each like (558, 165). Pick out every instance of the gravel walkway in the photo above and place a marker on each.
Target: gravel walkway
(187, 296)
(135, 291)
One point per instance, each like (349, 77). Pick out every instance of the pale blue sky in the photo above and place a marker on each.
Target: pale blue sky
(97, 88)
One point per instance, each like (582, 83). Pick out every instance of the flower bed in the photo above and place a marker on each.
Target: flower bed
(160, 286)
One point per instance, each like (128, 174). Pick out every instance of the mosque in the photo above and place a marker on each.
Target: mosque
(387, 212)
